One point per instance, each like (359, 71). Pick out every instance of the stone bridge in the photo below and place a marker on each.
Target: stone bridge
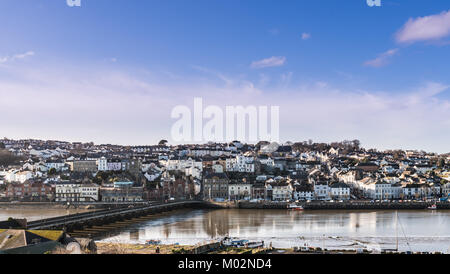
(106, 216)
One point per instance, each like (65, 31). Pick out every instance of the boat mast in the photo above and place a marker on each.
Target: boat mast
(396, 229)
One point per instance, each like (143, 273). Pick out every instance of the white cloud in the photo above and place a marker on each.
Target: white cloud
(16, 57)
(382, 59)
(306, 36)
(274, 61)
(433, 27)
(23, 55)
(113, 106)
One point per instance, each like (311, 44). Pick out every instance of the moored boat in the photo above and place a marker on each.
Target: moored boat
(241, 243)
(433, 207)
(294, 206)
(153, 242)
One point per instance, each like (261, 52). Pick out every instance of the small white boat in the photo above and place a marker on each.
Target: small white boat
(294, 206)
(241, 243)
(433, 207)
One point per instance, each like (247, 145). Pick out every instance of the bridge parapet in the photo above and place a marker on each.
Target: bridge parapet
(78, 218)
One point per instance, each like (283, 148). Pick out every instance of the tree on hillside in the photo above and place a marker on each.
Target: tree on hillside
(52, 171)
(441, 162)
(7, 158)
(162, 142)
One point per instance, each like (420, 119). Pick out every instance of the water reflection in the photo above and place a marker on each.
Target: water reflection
(423, 230)
(33, 213)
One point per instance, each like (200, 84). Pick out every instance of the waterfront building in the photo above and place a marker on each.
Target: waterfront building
(29, 190)
(278, 190)
(215, 186)
(76, 192)
(303, 191)
(340, 191)
(446, 189)
(258, 191)
(239, 190)
(122, 192)
(322, 190)
(414, 191)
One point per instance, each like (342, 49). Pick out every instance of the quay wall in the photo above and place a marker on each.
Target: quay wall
(346, 205)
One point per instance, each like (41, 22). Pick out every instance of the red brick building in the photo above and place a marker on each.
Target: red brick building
(30, 190)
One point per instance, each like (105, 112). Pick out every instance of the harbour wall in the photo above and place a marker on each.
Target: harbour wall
(346, 205)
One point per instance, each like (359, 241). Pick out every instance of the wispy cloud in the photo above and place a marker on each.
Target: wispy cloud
(215, 73)
(433, 27)
(382, 59)
(274, 61)
(306, 36)
(16, 57)
(139, 106)
(285, 78)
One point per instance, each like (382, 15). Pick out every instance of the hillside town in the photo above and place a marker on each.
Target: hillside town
(65, 172)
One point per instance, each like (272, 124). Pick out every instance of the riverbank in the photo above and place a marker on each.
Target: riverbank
(117, 248)
(347, 205)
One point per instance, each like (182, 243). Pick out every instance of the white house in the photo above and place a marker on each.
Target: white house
(240, 163)
(267, 161)
(217, 168)
(102, 164)
(23, 176)
(445, 189)
(322, 191)
(56, 164)
(239, 191)
(114, 165)
(340, 191)
(415, 191)
(75, 192)
(303, 192)
(279, 191)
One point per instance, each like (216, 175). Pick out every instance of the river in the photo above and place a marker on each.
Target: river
(418, 230)
(33, 213)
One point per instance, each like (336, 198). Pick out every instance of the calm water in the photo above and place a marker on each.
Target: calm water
(417, 230)
(35, 213)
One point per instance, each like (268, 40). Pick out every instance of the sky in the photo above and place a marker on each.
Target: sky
(111, 71)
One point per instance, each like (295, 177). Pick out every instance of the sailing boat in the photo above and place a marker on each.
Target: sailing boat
(396, 234)
(396, 230)
(406, 238)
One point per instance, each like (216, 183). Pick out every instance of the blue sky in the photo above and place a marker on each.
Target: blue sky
(337, 69)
